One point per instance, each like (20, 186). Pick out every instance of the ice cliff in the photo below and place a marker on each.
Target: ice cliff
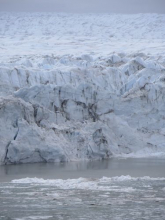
(56, 108)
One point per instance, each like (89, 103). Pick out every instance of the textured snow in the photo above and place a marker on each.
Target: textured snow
(61, 34)
(81, 86)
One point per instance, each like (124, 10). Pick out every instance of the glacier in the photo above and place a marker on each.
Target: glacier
(81, 86)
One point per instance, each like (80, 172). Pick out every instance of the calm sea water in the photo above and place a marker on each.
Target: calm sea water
(153, 167)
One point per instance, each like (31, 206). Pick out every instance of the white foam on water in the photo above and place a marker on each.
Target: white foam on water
(86, 183)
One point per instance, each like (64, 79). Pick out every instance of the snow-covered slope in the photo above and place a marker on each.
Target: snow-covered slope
(76, 87)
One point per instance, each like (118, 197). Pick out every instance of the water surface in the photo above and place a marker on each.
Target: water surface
(49, 194)
(153, 167)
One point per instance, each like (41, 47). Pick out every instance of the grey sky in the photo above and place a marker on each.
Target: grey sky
(109, 6)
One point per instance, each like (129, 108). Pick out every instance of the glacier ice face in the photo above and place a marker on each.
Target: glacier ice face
(90, 112)
(56, 108)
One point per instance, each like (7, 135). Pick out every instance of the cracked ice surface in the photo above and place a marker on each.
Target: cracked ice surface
(75, 87)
